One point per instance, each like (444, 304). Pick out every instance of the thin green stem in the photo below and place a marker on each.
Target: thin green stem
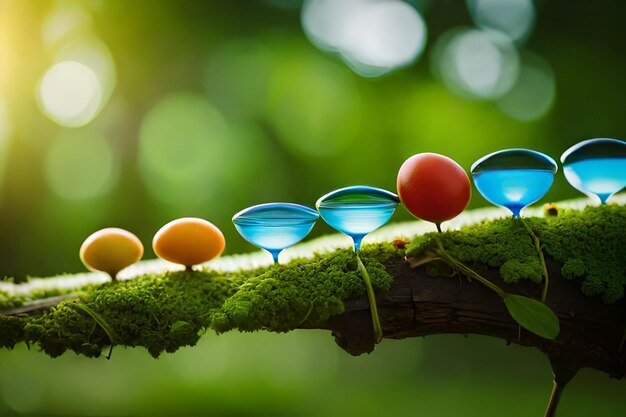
(563, 371)
(468, 271)
(555, 396)
(308, 313)
(544, 292)
(102, 323)
(439, 227)
(378, 331)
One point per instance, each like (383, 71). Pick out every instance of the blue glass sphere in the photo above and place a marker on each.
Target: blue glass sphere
(275, 226)
(357, 210)
(514, 178)
(596, 167)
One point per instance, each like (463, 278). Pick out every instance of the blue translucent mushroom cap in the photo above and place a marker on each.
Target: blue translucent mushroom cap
(514, 178)
(275, 226)
(357, 210)
(596, 167)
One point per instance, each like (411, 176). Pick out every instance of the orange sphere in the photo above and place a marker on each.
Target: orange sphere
(433, 187)
(188, 241)
(110, 250)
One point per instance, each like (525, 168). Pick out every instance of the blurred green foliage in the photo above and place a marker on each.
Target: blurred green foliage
(301, 373)
(221, 106)
(256, 114)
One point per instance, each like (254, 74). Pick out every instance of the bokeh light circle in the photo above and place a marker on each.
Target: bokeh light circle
(70, 94)
(80, 165)
(183, 146)
(534, 92)
(237, 78)
(324, 21)
(23, 391)
(475, 64)
(304, 82)
(386, 35)
(63, 21)
(512, 18)
(93, 53)
(372, 37)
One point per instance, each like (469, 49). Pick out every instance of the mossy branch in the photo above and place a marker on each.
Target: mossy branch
(584, 257)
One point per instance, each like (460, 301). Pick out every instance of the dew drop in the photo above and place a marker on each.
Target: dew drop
(275, 226)
(596, 167)
(357, 211)
(514, 178)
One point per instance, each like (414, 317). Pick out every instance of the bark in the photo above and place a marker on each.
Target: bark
(592, 332)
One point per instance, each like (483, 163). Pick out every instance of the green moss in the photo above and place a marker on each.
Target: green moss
(573, 268)
(159, 312)
(163, 312)
(7, 301)
(589, 243)
(501, 243)
(310, 291)
(11, 331)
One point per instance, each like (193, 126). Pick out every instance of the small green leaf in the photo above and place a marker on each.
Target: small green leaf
(533, 315)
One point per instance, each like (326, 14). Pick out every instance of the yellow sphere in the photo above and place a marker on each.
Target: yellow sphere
(110, 250)
(188, 241)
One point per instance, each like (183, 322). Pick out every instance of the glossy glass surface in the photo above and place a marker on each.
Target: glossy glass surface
(514, 178)
(358, 210)
(275, 226)
(596, 167)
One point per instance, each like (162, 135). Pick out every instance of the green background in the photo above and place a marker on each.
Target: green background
(259, 114)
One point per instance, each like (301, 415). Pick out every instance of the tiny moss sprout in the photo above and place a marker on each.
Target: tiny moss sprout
(550, 210)
(188, 241)
(110, 250)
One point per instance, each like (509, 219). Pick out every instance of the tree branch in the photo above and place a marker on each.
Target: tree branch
(163, 311)
(419, 305)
